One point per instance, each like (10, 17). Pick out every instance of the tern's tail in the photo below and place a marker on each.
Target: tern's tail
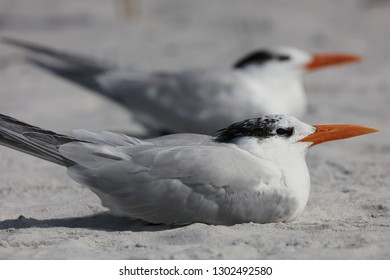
(33, 140)
(75, 68)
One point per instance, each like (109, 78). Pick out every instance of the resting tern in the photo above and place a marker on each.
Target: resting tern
(251, 171)
(267, 81)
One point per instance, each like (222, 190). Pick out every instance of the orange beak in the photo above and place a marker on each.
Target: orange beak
(323, 60)
(331, 132)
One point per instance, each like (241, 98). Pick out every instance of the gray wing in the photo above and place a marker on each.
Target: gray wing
(172, 185)
(75, 68)
(194, 101)
(190, 101)
(107, 138)
(119, 139)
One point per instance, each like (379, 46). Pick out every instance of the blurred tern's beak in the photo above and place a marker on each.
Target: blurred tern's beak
(331, 132)
(323, 60)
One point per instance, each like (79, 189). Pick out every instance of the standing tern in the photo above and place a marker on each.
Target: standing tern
(267, 81)
(251, 171)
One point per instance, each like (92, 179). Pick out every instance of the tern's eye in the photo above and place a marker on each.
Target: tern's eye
(284, 131)
(283, 57)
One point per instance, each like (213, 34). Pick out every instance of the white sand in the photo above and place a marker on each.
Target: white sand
(348, 214)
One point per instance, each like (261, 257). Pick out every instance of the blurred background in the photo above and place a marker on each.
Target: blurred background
(177, 34)
(348, 212)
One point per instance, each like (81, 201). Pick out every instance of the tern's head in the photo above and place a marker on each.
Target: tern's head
(291, 59)
(282, 131)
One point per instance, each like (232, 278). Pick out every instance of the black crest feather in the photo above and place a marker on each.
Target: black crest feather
(258, 57)
(257, 127)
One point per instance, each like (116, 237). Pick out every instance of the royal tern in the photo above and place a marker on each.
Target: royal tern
(251, 171)
(267, 81)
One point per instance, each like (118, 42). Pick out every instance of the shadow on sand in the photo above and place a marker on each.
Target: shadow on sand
(102, 221)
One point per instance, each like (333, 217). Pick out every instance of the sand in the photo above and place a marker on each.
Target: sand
(45, 215)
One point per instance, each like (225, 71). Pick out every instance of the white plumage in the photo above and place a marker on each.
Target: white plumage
(267, 81)
(251, 171)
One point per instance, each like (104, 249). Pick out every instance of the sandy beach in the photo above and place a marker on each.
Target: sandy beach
(46, 215)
